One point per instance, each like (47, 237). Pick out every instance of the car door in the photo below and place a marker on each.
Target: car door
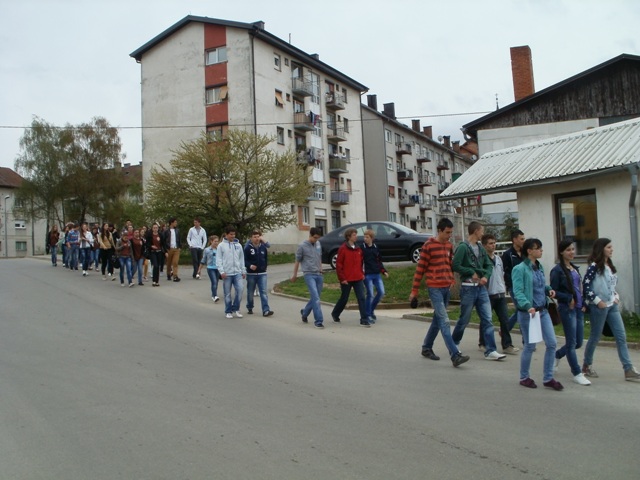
(388, 240)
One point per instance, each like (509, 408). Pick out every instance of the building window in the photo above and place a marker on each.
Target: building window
(286, 62)
(387, 135)
(345, 124)
(390, 163)
(577, 219)
(217, 133)
(216, 55)
(315, 88)
(344, 95)
(277, 62)
(392, 191)
(21, 246)
(288, 95)
(279, 99)
(305, 215)
(392, 216)
(335, 219)
(289, 134)
(20, 225)
(280, 135)
(216, 95)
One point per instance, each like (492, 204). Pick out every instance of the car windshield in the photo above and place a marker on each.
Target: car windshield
(404, 229)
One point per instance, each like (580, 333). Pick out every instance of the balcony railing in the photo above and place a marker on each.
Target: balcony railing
(302, 121)
(404, 175)
(425, 180)
(335, 132)
(403, 148)
(407, 201)
(443, 165)
(442, 186)
(301, 86)
(338, 165)
(426, 206)
(340, 197)
(334, 101)
(422, 158)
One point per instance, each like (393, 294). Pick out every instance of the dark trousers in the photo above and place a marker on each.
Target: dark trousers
(499, 305)
(196, 257)
(156, 258)
(345, 289)
(105, 260)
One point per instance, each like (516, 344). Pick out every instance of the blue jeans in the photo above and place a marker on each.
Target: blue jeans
(137, 267)
(611, 315)
(125, 262)
(74, 250)
(314, 283)
(345, 290)
(372, 280)
(54, 254)
(85, 257)
(573, 326)
(475, 297)
(65, 255)
(213, 276)
(549, 337)
(439, 301)
(95, 257)
(235, 281)
(259, 281)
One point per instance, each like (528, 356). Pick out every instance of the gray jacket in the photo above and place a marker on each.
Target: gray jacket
(230, 258)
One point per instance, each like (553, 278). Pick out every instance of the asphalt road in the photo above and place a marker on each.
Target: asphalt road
(103, 382)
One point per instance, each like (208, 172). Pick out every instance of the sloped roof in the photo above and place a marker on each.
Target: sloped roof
(577, 155)
(9, 178)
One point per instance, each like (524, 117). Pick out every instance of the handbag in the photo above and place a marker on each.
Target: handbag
(552, 308)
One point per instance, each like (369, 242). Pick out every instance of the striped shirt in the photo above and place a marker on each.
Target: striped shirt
(435, 262)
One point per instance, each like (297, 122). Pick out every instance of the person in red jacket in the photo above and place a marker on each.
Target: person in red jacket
(350, 270)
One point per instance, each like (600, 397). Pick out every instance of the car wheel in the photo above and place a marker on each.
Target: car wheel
(334, 259)
(415, 253)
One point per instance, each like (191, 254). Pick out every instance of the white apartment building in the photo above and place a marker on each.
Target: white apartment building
(210, 74)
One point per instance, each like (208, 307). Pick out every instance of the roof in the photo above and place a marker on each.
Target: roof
(256, 29)
(474, 125)
(9, 178)
(568, 157)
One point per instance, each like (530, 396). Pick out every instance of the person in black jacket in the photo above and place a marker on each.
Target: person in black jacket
(373, 271)
(172, 246)
(510, 258)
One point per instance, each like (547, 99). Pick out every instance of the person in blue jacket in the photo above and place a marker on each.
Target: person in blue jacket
(373, 271)
(255, 261)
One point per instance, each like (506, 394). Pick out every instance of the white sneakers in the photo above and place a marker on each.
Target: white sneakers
(215, 299)
(495, 356)
(556, 362)
(580, 379)
(229, 315)
(238, 314)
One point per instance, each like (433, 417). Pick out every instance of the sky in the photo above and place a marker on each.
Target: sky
(444, 62)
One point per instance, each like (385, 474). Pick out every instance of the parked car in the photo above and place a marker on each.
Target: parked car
(396, 242)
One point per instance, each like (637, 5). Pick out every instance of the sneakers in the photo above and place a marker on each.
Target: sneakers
(529, 383)
(371, 319)
(104, 278)
(319, 325)
(556, 362)
(495, 356)
(84, 273)
(481, 348)
(229, 315)
(335, 319)
(131, 284)
(553, 383)
(215, 299)
(589, 372)
(458, 359)
(268, 313)
(428, 353)
(140, 283)
(238, 314)
(122, 284)
(580, 379)
(250, 311)
(304, 319)
(197, 277)
(511, 350)
(365, 323)
(176, 279)
(632, 375)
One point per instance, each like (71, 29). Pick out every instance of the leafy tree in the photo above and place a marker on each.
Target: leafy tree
(238, 181)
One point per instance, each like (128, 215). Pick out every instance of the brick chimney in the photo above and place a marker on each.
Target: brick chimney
(389, 110)
(447, 141)
(428, 131)
(372, 102)
(415, 125)
(456, 146)
(522, 72)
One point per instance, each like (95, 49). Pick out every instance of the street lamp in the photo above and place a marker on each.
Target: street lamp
(6, 220)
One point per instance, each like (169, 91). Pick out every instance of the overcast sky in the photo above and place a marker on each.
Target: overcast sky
(68, 61)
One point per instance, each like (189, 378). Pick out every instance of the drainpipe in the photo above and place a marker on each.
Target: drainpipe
(253, 84)
(633, 224)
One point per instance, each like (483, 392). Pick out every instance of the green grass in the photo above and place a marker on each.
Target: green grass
(274, 258)
(398, 288)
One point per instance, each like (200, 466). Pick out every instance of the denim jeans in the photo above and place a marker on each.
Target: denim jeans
(314, 283)
(125, 262)
(371, 281)
(573, 326)
(439, 301)
(259, 281)
(65, 255)
(345, 290)
(85, 257)
(54, 254)
(95, 257)
(213, 276)
(611, 315)
(74, 250)
(549, 337)
(234, 281)
(475, 297)
(137, 267)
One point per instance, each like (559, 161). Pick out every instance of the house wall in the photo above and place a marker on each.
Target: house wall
(376, 166)
(30, 239)
(537, 219)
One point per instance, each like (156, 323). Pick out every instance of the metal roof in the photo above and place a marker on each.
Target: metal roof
(554, 160)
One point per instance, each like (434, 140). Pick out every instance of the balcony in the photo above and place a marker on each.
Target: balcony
(443, 165)
(425, 180)
(340, 197)
(423, 158)
(408, 201)
(335, 132)
(334, 101)
(338, 165)
(403, 148)
(317, 195)
(404, 175)
(302, 121)
(426, 206)
(444, 208)
(301, 87)
(442, 186)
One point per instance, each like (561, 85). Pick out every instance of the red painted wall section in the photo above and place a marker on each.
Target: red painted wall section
(216, 75)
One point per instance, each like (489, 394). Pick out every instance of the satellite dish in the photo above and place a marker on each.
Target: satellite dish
(474, 158)
(440, 138)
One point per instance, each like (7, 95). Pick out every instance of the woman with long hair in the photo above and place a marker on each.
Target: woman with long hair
(599, 286)
(567, 283)
(155, 249)
(143, 237)
(53, 239)
(107, 249)
(86, 241)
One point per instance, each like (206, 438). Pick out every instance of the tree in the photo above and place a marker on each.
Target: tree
(238, 181)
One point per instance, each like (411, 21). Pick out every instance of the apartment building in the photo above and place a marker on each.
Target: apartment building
(406, 170)
(214, 75)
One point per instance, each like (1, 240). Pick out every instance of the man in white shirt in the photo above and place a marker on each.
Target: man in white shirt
(197, 241)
